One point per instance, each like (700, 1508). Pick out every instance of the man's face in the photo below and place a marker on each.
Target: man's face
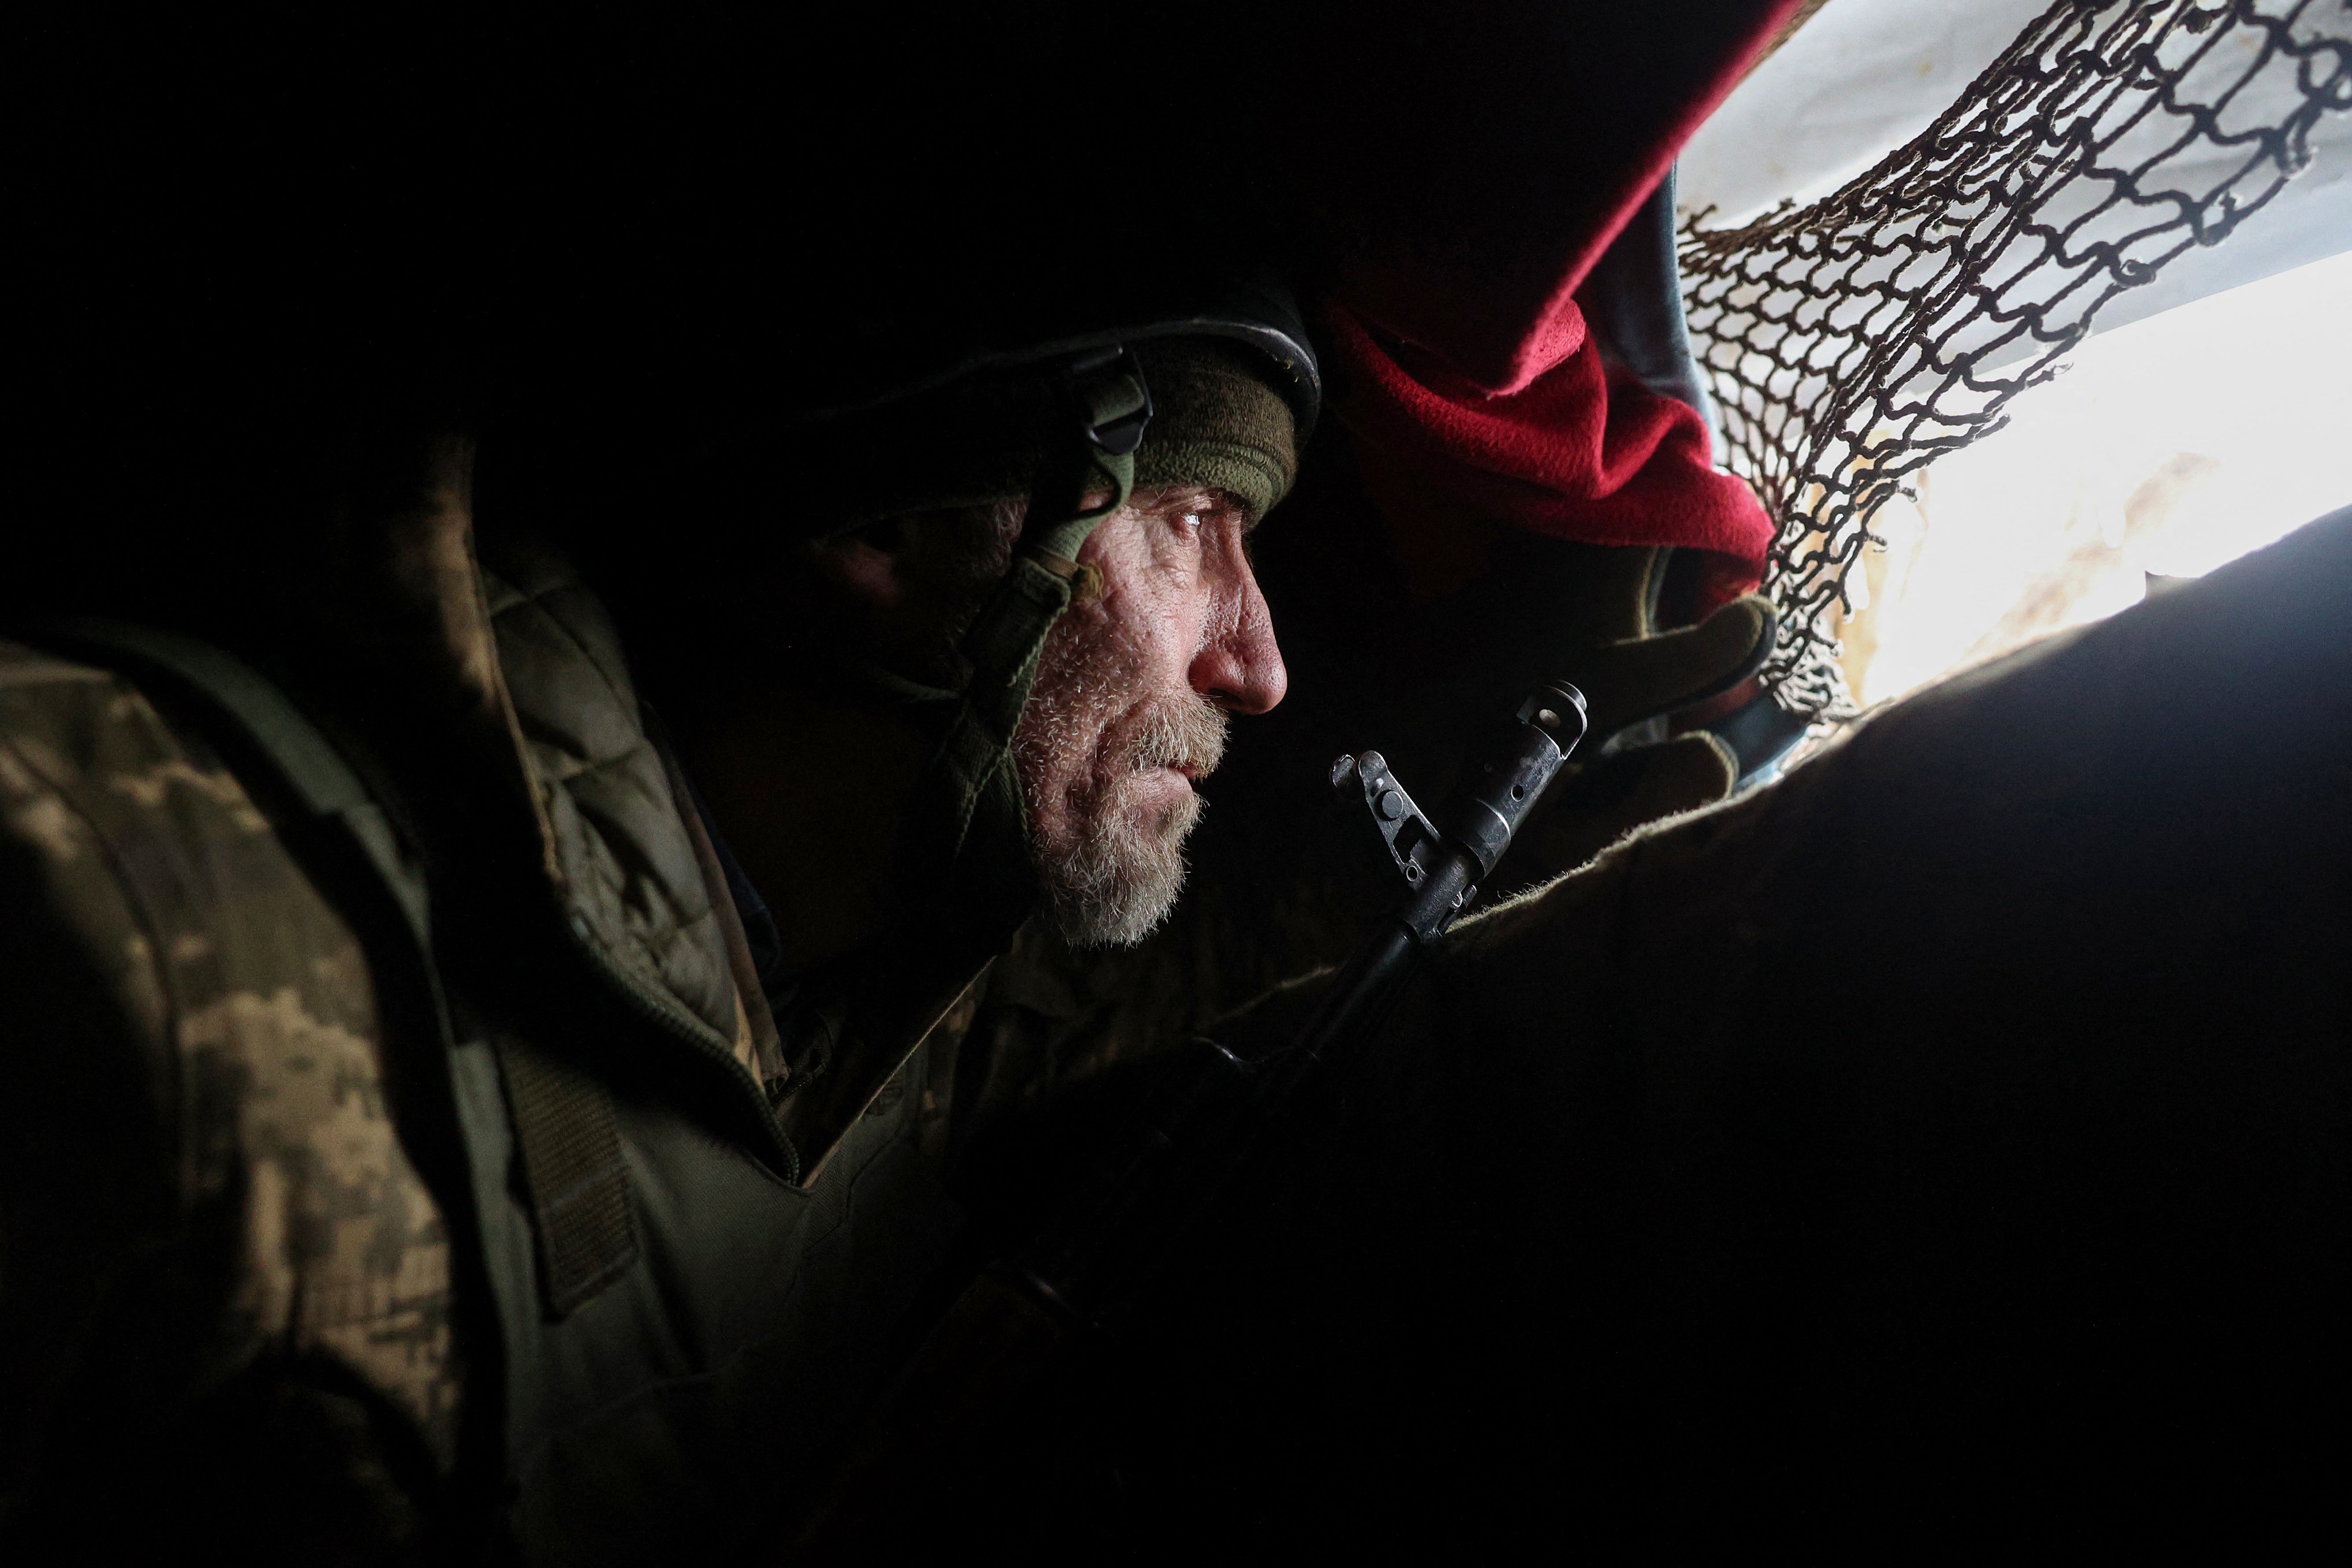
(1129, 707)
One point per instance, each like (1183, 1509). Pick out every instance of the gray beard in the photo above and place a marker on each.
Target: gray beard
(1112, 878)
(1115, 885)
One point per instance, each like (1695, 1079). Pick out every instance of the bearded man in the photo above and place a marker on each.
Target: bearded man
(430, 1126)
(527, 1149)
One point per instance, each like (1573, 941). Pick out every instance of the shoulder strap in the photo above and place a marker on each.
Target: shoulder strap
(563, 1118)
(1107, 407)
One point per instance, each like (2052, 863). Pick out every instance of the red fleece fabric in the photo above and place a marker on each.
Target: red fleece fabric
(1572, 454)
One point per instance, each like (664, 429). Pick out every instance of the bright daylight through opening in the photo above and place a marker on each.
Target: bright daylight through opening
(2172, 445)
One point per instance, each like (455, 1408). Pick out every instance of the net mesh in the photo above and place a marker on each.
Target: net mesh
(1850, 342)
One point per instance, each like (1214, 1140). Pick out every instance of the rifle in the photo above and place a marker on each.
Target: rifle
(1085, 1276)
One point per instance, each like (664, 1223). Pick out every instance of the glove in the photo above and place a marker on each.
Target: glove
(1636, 675)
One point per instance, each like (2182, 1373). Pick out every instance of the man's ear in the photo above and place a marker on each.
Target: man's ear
(873, 568)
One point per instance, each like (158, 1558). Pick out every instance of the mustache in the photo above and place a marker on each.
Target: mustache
(1187, 732)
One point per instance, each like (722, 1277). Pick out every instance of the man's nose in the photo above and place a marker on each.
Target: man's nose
(1239, 666)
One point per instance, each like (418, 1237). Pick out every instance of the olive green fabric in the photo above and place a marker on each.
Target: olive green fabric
(1216, 420)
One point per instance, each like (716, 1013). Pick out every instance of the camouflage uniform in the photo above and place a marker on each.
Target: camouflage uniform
(342, 1253)
(199, 1122)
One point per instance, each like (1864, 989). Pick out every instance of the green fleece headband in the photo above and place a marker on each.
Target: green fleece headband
(1216, 421)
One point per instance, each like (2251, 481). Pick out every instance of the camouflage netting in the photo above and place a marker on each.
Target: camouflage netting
(1850, 342)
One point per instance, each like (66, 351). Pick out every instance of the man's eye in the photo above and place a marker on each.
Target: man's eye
(1189, 520)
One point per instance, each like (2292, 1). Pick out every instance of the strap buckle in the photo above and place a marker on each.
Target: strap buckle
(1113, 402)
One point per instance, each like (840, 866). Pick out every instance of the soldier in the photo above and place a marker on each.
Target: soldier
(544, 965)
(634, 1230)
(499, 1048)
(436, 1123)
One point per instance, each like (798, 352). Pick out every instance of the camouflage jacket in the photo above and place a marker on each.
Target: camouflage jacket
(346, 1245)
(217, 1247)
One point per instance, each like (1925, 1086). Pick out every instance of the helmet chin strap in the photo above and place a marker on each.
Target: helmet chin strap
(967, 836)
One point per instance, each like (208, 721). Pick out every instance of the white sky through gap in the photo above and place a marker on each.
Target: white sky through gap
(2172, 445)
